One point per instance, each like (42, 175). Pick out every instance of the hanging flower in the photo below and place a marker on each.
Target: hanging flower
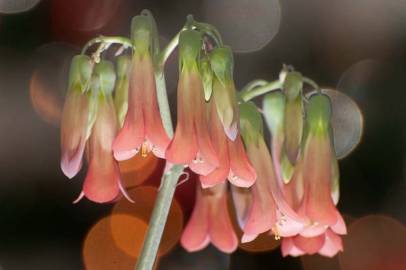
(234, 163)
(103, 182)
(143, 129)
(210, 222)
(191, 144)
(268, 206)
(75, 123)
(222, 64)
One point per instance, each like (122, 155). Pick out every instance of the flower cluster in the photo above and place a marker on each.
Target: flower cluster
(290, 191)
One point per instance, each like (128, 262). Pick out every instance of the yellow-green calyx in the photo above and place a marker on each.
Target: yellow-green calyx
(104, 78)
(190, 44)
(222, 64)
(318, 114)
(250, 122)
(80, 73)
(144, 34)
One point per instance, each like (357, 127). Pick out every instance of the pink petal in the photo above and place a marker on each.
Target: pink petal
(317, 174)
(154, 129)
(309, 245)
(102, 183)
(196, 234)
(242, 173)
(221, 230)
(339, 227)
(73, 132)
(332, 245)
(183, 147)
(288, 248)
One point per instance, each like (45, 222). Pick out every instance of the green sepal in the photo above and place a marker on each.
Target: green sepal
(222, 64)
(122, 85)
(287, 169)
(250, 122)
(293, 85)
(318, 114)
(293, 127)
(207, 77)
(104, 77)
(144, 34)
(190, 45)
(80, 73)
(273, 107)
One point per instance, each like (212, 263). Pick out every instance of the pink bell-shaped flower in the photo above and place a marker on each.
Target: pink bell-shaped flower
(75, 116)
(210, 222)
(191, 144)
(143, 129)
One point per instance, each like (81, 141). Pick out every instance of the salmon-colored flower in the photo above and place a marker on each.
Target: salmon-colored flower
(75, 117)
(234, 163)
(268, 206)
(103, 182)
(143, 129)
(191, 144)
(327, 244)
(210, 222)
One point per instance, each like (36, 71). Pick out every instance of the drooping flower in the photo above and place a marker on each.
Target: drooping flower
(267, 206)
(191, 144)
(222, 64)
(143, 129)
(76, 120)
(102, 182)
(327, 244)
(313, 190)
(210, 222)
(234, 163)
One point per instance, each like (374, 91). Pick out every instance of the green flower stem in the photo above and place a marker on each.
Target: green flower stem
(258, 88)
(108, 41)
(158, 219)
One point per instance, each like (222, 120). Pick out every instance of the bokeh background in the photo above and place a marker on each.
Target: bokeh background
(357, 47)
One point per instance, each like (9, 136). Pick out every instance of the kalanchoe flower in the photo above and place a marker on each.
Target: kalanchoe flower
(103, 182)
(191, 144)
(143, 129)
(293, 127)
(313, 191)
(327, 244)
(268, 206)
(222, 64)
(234, 163)
(76, 120)
(210, 222)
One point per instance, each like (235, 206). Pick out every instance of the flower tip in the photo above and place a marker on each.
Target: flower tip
(248, 238)
(232, 131)
(79, 198)
(124, 192)
(70, 168)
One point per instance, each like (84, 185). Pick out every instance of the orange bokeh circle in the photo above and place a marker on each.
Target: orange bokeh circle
(138, 169)
(144, 197)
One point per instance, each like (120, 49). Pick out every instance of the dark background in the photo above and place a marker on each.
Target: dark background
(358, 47)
